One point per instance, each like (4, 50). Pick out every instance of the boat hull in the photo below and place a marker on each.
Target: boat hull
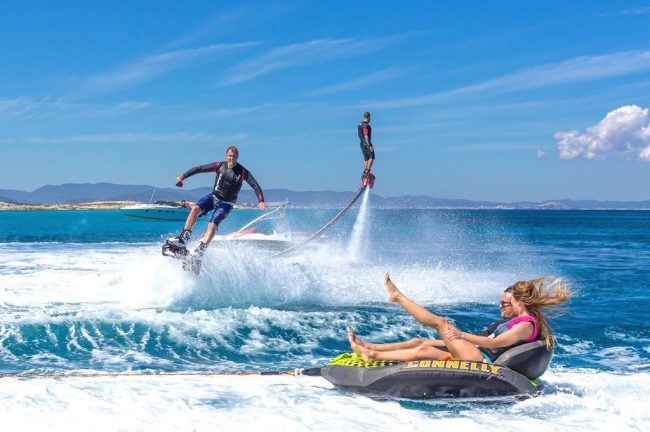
(154, 212)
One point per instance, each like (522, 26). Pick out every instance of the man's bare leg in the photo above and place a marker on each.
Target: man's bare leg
(191, 218)
(209, 233)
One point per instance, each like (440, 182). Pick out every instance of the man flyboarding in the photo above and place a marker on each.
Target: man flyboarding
(230, 176)
(367, 149)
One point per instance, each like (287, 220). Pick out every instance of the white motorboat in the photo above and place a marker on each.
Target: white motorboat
(249, 234)
(162, 212)
(251, 237)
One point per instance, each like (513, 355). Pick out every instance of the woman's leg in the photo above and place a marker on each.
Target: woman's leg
(422, 352)
(411, 343)
(459, 348)
(421, 314)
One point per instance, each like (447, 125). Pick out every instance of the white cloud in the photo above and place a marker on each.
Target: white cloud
(232, 112)
(635, 11)
(150, 67)
(306, 53)
(540, 154)
(133, 137)
(624, 130)
(20, 108)
(579, 69)
(360, 82)
(133, 106)
(490, 147)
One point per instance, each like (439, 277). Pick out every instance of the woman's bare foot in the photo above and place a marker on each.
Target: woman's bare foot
(353, 338)
(355, 346)
(365, 353)
(391, 290)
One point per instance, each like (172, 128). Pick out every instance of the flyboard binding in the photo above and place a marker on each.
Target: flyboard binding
(367, 179)
(190, 262)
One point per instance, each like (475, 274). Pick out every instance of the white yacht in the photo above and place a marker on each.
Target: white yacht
(164, 211)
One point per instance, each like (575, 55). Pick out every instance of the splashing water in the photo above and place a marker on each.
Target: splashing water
(72, 299)
(359, 231)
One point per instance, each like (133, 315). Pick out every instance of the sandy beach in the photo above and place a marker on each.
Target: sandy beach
(95, 205)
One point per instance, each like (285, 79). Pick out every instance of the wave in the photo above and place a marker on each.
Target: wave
(137, 276)
(577, 400)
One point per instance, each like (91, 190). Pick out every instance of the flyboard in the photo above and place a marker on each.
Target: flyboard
(192, 261)
(513, 373)
(367, 180)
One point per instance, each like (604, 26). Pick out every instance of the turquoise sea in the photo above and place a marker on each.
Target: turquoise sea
(88, 291)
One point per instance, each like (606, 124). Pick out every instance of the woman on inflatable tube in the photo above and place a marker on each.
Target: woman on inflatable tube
(530, 299)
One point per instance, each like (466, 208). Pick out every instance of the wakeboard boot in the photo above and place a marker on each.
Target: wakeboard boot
(177, 246)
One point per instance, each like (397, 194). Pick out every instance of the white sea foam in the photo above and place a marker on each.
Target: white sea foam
(137, 276)
(90, 274)
(575, 400)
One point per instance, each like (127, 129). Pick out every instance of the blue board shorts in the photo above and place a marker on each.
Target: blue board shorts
(221, 208)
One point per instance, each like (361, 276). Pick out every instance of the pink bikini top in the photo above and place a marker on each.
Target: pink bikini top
(526, 318)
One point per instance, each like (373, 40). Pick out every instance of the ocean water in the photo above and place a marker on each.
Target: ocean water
(89, 292)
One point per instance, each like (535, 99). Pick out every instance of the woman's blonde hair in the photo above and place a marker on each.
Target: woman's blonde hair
(542, 300)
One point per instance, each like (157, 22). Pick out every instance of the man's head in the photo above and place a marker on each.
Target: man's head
(231, 156)
(366, 117)
(505, 307)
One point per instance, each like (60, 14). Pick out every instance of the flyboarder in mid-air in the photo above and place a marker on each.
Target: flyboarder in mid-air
(365, 141)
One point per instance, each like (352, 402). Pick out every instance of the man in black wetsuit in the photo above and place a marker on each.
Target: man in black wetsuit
(228, 182)
(365, 141)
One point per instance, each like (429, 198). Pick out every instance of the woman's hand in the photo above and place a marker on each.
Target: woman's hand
(454, 333)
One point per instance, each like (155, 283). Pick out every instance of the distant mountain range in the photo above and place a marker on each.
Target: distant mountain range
(88, 192)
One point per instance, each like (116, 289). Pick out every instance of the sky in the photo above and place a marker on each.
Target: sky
(490, 100)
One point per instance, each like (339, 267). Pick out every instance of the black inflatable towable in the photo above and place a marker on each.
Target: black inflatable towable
(513, 373)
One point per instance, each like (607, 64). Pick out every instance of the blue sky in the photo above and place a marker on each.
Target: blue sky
(500, 101)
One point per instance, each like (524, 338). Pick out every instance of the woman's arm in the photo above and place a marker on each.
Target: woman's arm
(518, 332)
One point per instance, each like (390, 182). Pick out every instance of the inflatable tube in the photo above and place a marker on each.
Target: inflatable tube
(429, 379)
(530, 359)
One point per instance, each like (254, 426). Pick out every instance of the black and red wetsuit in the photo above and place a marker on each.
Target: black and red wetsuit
(228, 181)
(365, 140)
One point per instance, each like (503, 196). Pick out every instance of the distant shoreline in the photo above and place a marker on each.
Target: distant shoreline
(94, 205)
(116, 205)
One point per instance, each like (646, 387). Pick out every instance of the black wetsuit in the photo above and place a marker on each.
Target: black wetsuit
(365, 140)
(228, 181)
